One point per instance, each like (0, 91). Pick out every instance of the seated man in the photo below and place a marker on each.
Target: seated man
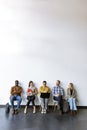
(58, 94)
(44, 92)
(15, 95)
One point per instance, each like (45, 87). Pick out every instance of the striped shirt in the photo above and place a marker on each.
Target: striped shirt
(57, 90)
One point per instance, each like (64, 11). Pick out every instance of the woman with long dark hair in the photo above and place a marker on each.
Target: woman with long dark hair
(31, 92)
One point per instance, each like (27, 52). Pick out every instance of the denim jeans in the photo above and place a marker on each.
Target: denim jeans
(44, 103)
(15, 98)
(72, 103)
(60, 101)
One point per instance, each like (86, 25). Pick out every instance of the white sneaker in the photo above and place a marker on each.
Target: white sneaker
(25, 110)
(45, 111)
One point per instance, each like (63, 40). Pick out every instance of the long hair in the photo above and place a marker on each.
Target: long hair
(30, 83)
(71, 85)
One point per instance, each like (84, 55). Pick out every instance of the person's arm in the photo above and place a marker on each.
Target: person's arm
(49, 91)
(53, 91)
(29, 92)
(19, 90)
(39, 92)
(13, 91)
(35, 91)
(74, 94)
(62, 92)
(68, 93)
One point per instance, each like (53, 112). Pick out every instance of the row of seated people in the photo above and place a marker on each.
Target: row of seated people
(44, 92)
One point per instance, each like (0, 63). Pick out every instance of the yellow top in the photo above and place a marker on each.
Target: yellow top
(44, 89)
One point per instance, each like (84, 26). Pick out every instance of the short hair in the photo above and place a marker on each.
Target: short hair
(16, 81)
(58, 81)
(45, 82)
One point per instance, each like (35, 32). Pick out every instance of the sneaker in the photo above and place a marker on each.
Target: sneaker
(25, 110)
(45, 111)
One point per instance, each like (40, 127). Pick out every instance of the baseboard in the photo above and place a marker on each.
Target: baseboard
(22, 106)
(82, 107)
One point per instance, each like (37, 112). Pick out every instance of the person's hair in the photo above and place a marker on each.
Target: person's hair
(71, 84)
(58, 81)
(30, 83)
(45, 82)
(16, 81)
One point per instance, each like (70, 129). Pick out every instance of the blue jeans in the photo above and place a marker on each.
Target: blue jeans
(15, 98)
(44, 103)
(72, 103)
(60, 101)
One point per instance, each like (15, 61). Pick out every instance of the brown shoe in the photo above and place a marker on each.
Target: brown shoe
(16, 111)
(75, 112)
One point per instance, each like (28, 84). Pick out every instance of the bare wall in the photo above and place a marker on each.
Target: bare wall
(43, 40)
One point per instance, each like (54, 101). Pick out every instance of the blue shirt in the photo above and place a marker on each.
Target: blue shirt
(57, 90)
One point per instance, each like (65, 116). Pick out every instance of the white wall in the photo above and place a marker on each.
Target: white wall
(43, 40)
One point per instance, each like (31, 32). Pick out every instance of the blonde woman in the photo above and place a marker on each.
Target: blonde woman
(71, 93)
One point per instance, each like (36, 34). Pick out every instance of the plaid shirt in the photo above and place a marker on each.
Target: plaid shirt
(57, 90)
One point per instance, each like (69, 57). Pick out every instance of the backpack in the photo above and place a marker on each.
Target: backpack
(7, 108)
(65, 106)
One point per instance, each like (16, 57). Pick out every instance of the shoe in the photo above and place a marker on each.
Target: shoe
(45, 111)
(74, 112)
(42, 112)
(13, 111)
(25, 110)
(34, 109)
(16, 111)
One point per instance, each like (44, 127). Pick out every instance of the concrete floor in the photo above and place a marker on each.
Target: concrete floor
(50, 121)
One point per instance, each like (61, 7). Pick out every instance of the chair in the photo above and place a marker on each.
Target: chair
(55, 105)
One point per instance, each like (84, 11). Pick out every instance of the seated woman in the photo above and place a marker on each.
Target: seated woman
(44, 92)
(31, 92)
(71, 94)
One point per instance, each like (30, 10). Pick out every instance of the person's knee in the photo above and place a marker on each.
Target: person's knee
(74, 99)
(70, 99)
(11, 98)
(20, 99)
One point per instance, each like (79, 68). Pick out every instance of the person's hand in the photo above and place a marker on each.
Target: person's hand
(44, 91)
(57, 95)
(14, 92)
(30, 93)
